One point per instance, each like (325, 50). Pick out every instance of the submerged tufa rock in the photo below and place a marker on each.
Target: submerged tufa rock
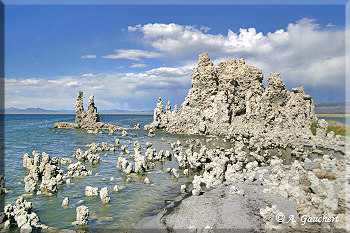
(82, 216)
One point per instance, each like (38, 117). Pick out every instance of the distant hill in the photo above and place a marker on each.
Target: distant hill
(64, 111)
(320, 107)
(34, 111)
(331, 107)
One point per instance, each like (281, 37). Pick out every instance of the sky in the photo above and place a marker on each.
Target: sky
(128, 55)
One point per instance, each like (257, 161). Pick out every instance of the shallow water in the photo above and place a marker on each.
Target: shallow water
(25, 133)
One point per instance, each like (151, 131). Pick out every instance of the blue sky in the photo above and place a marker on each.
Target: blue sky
(128, 55)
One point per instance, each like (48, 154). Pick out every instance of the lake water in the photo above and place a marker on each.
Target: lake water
(344, 120)
(25, 133)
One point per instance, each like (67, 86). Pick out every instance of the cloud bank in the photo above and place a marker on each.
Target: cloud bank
(130, 91)
(305, 53)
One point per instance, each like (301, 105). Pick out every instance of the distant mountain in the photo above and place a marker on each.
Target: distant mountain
(320, 107)
(332, 107)
(123, 111)
(62, 111)
(34, 111)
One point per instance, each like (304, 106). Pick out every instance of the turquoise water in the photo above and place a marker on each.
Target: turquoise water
(344, 120)
(25, 133)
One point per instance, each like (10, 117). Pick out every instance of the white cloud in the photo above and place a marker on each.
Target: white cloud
(205, 28)
(138, 65)
(88, 56)
(132, 29)
(330, 25)
(71, 84)
(119, 67)
(304, 53)
(132, 54)
(88, 75)
(112, 91)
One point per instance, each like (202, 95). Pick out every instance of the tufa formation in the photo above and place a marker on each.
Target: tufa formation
(88, 120)
(231, 99)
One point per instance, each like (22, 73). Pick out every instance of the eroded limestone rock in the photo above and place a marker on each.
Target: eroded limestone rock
(44, 173)
(22, 215)
(82, 217)
(104, 195)
(231, 98)
(89, 119)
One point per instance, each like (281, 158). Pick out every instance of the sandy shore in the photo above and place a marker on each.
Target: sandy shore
(217, 209)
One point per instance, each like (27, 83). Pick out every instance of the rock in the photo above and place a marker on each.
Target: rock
(2, 184)
(175, 172)
(186, 172)
(192, 229)
(117, 142)
(65, 125)
(183, 188)
(128, 169)
(124, 133)
(196, 185)
(65, 201)
(148, 144)
(116, 188)
(137, 126)
(235, 190)
(82, 216)
(93, 158)
(91, 191)
(22, 214)
(151, 133)
(128, 180)
(44, 173)
(104, 195)
(88, 120)
(232, 98)
(146, 181)
(76, 169)
(122, 163)
(65, 161)
(269, 213)
(322, 127)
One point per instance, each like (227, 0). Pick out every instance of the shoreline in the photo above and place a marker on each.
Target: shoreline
(147, 113)
(216, 209)
(332, 115)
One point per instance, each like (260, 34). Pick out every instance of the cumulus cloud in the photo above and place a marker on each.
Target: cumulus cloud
(138, 65)
(132, 54)
(88, 56)
(304, 52)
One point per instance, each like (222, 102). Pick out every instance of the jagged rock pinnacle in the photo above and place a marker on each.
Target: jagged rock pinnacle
(232, 97)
